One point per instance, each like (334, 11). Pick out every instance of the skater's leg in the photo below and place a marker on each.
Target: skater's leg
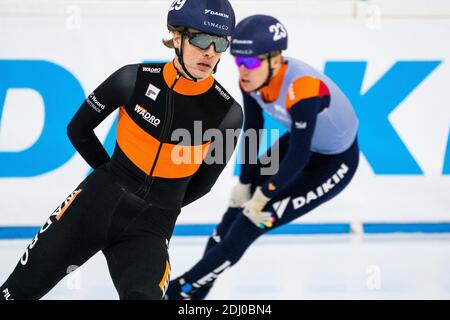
(326, 176)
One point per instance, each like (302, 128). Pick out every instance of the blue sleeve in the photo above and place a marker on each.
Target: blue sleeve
(253, 123)
(304, 115)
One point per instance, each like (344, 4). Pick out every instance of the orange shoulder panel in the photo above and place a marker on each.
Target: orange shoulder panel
(302, 88)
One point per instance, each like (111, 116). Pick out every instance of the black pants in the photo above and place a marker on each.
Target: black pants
(324, 177)
(99, 215)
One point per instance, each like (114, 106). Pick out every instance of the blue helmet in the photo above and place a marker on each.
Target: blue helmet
(258, 34)
(208, 16)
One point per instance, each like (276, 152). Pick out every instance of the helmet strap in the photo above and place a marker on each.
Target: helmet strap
(179, 54)
(215, 68)
(269, 76)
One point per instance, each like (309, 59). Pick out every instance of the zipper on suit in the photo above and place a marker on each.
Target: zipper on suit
(168, 118)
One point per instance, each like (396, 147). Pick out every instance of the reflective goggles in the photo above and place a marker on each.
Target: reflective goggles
(204, 40)
(249, 62)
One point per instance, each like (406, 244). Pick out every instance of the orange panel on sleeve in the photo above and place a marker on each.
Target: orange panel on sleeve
(302, 88)
(139, 146)
(177, 161)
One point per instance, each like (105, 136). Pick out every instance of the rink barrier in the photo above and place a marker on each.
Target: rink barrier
(28, 232)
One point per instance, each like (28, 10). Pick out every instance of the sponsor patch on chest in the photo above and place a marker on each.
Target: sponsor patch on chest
(152, 92)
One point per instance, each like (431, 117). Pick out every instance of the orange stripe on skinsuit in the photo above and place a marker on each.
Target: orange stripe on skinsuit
(177, 161)
(139, 146)
(165, 277)
(300, 89)
(74, 195)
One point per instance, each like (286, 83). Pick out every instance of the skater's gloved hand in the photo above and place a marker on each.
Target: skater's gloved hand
(239, 195)
(253, 210)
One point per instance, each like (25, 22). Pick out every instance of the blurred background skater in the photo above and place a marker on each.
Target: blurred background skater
(319, 154)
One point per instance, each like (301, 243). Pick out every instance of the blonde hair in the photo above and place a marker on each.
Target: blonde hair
(169, 42)
(272, 54)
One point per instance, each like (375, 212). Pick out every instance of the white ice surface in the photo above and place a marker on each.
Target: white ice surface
(413, 266)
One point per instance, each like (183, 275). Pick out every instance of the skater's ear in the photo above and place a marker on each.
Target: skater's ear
(276, 59)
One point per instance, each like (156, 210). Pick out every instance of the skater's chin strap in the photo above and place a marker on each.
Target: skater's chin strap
(269, 76)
